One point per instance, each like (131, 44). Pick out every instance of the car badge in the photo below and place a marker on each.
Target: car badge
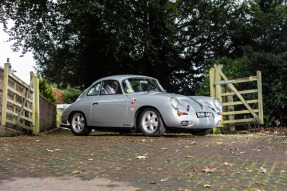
(134, 101)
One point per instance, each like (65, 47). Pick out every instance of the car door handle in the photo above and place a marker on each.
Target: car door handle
(96, 103)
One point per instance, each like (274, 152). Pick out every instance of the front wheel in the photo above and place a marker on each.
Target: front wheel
(78, 125)
(151, 124)
(200, 132)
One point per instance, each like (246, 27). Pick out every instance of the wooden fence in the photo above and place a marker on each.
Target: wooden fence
(20, 102)
(239, 106)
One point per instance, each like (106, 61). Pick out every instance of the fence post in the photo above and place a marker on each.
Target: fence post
(260, 98)
(36, 105)
(5, 92)
(218, 91)
(211, 82)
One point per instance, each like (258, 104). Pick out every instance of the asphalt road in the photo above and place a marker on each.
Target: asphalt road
(110, 161)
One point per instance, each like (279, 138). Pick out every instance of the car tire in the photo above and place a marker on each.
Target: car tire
(151, 123)
(200, 132)
(78, 125)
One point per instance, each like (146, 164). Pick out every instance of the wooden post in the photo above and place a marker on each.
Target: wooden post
(211, 82)
(36, 107)
(260, 98)
(218, 91)
(5, 92)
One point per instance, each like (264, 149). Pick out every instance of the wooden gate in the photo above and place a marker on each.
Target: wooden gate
(239, 106)
(20, 102)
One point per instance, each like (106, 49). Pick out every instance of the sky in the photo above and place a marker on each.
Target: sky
(22, 65)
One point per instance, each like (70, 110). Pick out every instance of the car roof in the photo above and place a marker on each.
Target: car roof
(122, 77)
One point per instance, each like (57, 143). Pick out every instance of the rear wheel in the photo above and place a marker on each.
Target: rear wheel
(78, 125)
(150, 123)
(200, 132)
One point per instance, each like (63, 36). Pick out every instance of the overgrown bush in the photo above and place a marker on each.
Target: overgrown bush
(46, 90)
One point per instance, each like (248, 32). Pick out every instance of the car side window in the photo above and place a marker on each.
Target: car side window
(95, 90)
(111, 87)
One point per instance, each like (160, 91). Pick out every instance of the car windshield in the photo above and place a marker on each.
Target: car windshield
(134, 85)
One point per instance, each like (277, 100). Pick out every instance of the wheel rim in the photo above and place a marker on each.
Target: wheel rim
(78, 123)
(150, 122)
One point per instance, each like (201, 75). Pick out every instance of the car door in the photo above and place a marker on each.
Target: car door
(110, 107)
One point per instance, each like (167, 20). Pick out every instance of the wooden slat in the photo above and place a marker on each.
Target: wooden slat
(250, 120)
(19, 93)
(239, 102)
(22, 117)
(239, 112)
(18, 104)
(238, 80)
(20, 125)
(240, 92)
(19, 80)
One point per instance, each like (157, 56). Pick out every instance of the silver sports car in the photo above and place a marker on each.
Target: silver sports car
(137, 103)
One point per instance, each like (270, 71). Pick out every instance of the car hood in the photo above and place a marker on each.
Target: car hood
(185, 100)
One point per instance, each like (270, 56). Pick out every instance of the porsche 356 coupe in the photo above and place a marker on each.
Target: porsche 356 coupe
(138, 103)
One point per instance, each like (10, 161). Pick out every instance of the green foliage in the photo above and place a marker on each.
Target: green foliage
(71, 94)
(46, 90)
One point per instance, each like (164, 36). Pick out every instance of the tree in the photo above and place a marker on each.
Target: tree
(46, 90)
(77, 42)
(71, 94)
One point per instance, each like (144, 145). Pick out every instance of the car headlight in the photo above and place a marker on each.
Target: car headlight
(217, 103)
(175, 103)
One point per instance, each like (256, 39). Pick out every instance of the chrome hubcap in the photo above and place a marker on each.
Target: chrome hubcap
(78, 123)
(150, 122)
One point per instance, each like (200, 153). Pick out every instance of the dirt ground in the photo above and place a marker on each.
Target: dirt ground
(110, 161)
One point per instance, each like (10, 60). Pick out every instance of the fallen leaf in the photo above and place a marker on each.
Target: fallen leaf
(208, 169)
(193, 143)
(257, 182)
(189, 156)
(219, 143)
(262, 170)
(152, 182)
(50, 150)
(163, 148)
(90, 159)
(76, 172)
(187, 146)
(193, 169)
(238, 172)
(163, 180)
(149, 168)
(247, 169)
(189, 175)
(141, 157)
(206, 186)
(227, 164)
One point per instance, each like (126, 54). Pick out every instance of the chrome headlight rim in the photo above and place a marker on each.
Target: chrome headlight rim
(175, 103)
(217, 103)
